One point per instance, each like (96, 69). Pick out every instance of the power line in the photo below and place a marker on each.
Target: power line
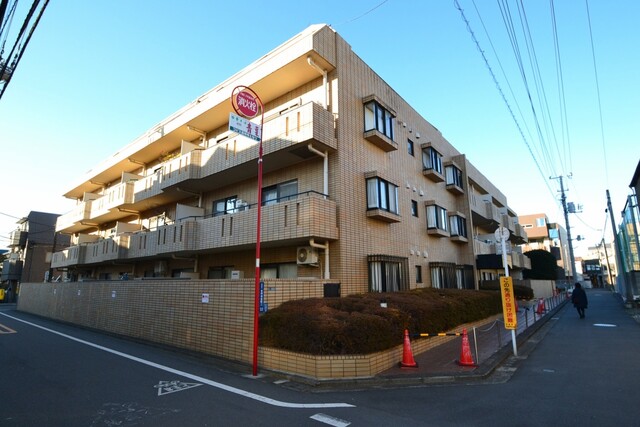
(504, 98)
(595, 71)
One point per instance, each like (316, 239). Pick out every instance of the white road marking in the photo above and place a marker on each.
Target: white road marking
(206, 381)
(167, 387)
(332, 421)
(605, 325)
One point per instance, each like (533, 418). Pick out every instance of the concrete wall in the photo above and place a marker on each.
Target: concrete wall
(542, 288)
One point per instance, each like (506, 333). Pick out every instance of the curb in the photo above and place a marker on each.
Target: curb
(481, 373)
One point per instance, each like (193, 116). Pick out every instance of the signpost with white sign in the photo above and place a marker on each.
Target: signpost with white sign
(245, 127)
(506, 288)
(247, 105)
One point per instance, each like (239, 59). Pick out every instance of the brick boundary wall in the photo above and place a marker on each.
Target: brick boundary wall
(169, 312)
(172, 312)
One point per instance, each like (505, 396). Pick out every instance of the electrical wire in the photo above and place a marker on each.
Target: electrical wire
(595, 72)
(504, 98)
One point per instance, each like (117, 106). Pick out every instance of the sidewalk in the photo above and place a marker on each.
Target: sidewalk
(493, 345)
(439, 364)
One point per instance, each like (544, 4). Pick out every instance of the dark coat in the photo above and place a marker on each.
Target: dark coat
(579, 298)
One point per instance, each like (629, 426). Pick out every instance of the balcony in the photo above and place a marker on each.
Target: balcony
(111, 249)
(285, 142)
(307, 216)
(181, 169)
(76, 220)
(18, 238)
(106, 207)
(484, 212)
(147, 187)
(72, 256)
(177, 238)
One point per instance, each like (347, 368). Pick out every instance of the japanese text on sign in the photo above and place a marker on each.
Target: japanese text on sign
(244, 127)
(508, 303)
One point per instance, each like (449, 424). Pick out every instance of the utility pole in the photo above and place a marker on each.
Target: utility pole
(606, 256)
(563, 198)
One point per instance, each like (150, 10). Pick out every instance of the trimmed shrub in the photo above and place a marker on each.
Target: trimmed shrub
(357, 324)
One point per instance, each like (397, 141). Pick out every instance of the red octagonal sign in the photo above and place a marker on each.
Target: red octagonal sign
(246, 104)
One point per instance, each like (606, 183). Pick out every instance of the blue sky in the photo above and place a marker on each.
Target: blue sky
(96, 75)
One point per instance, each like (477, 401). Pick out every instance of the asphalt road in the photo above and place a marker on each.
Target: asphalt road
(573, 372)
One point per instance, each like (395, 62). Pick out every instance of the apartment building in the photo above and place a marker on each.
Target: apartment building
(549, 236)
(358, 188)
(30, 247)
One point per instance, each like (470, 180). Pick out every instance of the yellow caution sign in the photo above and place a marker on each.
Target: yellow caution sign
(508, 303)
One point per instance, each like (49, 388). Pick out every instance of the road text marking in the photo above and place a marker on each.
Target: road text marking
(203, 380)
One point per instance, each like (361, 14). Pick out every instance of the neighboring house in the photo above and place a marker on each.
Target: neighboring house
(599, 264)
(30, 247)
(548, 236)
(358, 188)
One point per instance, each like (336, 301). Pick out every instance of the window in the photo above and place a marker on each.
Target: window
(418, 274)
(382, 195)
(437, 218)
(279, 193)
(410, 147)
(458, 226)
(376, 117)
(225, 206)
(540, 222)
(388, 273)
(431, 160)
(414, 208)
(279, 271)
(219, 272)
(453, 176)
(444, 275)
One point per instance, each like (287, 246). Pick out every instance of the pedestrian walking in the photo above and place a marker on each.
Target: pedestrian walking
(579, 299)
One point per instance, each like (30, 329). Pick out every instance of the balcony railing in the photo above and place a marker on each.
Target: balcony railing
(305, 215)
(173, 238)
(114, 197)
(111, 249)
(71, 222)
(73, 255)
(181, 169)
(147, 187)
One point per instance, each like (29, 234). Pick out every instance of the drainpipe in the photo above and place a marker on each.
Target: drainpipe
(324, 80)
(325, 171)
(313, 244)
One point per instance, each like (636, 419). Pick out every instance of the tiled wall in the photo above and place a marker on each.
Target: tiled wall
(170, 312)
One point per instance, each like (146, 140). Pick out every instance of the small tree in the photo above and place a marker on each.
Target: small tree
(543, 265)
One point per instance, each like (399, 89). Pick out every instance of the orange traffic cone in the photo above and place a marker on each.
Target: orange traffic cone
(466, 359)
(540, 309)
(407, 355)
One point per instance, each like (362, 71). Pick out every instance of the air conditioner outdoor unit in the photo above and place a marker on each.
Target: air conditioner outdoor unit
(307, 255)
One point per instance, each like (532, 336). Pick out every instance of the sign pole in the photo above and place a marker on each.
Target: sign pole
(506, 289)
(247, 103)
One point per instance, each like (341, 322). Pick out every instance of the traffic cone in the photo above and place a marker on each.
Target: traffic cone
(466, 359)
(407, 355)
(540, 309)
